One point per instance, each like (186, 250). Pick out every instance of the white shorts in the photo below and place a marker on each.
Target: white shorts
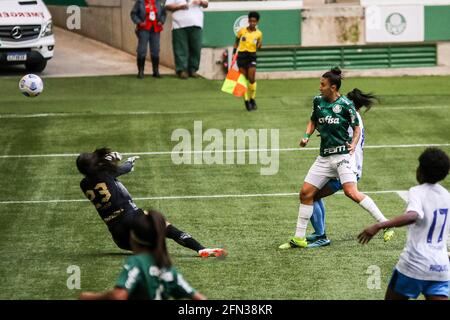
(341, 166)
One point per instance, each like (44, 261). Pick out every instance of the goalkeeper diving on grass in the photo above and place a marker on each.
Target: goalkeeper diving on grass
(114, 204)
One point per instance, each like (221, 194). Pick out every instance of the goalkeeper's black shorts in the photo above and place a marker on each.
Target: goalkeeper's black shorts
(120, 229)
(246, 59)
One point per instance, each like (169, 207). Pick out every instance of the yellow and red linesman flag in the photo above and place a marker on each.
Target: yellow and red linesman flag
(235, 83)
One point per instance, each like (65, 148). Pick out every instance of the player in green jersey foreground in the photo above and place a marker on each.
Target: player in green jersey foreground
(149, 273)
(332, 115)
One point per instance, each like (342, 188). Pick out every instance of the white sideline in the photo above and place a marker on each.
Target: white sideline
(152, 153)
(131, 113)
(403, 195)
(76, 114)
(213, 196)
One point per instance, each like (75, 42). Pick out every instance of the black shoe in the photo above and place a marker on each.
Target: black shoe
(141, 66)
(248, 106)
(253, 104)
(155, 67)
(183, 75)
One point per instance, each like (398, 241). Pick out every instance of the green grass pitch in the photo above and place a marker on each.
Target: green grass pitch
(40, 240)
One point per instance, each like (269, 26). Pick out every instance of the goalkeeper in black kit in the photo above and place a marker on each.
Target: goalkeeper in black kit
(114, 204)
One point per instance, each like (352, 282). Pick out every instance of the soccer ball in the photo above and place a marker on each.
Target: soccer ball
(31, 85)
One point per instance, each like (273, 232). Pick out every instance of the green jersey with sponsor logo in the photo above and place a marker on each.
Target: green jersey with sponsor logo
(332, 121)
(142, 278)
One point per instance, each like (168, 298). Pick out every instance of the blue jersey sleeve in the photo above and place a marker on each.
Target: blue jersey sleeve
(123, 169)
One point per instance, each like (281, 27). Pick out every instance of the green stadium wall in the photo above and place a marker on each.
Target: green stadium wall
(280, 27)
(437, 23)
(349, 57)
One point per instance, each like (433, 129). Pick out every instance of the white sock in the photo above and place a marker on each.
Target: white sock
(304, 214)
(370, 206)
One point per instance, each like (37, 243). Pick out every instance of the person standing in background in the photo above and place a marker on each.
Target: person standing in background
(248, 41)
(187, 25)
(149, 17)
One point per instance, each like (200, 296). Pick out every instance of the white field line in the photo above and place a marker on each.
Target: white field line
(153, 153)
(76, 114)
(131, 113)
(403, 195)
(214, 196)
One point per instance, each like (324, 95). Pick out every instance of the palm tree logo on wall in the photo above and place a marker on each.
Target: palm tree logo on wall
(395, 23)
(239, 23)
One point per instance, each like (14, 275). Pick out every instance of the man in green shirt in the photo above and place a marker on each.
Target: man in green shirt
(149, 274)
(332, 115)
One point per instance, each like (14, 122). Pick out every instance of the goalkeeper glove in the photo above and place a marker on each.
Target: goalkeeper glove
(113, 156)
(132, 160)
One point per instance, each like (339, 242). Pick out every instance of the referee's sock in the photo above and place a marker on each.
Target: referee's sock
(246, 95)
(183, 238)
(252, 90)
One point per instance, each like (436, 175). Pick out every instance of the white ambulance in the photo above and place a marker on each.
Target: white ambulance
(26, 34)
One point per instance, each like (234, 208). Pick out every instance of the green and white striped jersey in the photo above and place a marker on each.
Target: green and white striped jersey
(332, 120)
(142, 279)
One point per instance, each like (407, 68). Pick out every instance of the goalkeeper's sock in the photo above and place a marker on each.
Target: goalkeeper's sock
(252, 90)
(304, 214)
(183, 238)
(370, 206)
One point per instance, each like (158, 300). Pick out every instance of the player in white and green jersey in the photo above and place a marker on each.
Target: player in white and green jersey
(332, 115)
(319, 237)
(149, 274)
(332, 120)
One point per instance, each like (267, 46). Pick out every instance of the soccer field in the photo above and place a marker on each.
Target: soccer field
(46, 225)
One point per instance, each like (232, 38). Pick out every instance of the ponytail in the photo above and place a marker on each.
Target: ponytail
(149, 232)
(160, 252)
(361, 99)
(334, 76)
